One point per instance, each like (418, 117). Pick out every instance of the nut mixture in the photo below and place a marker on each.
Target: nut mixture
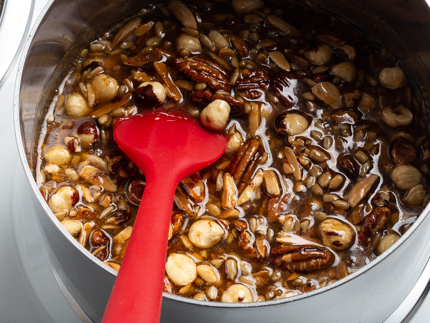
(324, 168)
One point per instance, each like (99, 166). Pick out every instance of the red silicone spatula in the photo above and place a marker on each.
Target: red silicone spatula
(167, 147)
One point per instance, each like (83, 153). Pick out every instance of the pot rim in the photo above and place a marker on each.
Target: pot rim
(30, 178)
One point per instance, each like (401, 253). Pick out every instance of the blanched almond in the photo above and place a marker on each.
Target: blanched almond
(271, 183)
(406, 176)
(292, 161)
(184, 15)
(279, 59)
(250, 190)
(237, 293)
(205, 233)
(229, 192)
(58, 155)
(97, 177)
(181, 269)
(415, 195)
(360, 190)
(326, 92)
(126, 31)
(208, 273)
(386, 242)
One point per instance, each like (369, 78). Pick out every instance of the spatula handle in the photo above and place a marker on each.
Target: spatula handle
(137, 292)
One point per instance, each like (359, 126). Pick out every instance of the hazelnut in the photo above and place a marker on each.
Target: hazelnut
(181, 269)
(63, 199)
(336, 234)
(72, 226)
(58, 155)
(77, 106)
(88, 133)
(406, 176)
(216, 114)
(150, 95)
(345, 70)
(397, 117)
(319, 54)
(366, 102)
(392, 77)
(237, 293)
(105, 87)
(190, 43)
(205, 233)
(291, 124)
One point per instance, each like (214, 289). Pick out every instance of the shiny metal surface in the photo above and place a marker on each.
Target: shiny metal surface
(14, 24)
(386, 281)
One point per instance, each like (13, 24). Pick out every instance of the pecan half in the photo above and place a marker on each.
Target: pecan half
(375, 221)
(252, 83)
(245, 162)
(237, 107)
(277, 206)
(200, 98)
(239, 225)
(177, 222)
(201, 70)
(285, 85)
(246, 242)
(301, 258)
(142, 59)
(203, 98)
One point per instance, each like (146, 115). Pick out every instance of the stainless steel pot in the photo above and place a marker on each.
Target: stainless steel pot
(369, 295)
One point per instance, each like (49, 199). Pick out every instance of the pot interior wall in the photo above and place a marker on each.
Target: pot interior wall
(68, 26)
